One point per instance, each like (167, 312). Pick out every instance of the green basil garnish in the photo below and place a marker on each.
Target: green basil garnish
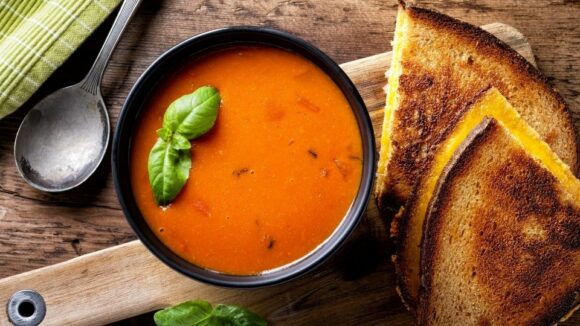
(180, 142)
(168, 170)
(194, 114)
(236, 316)
(187, 118)
(201, 313)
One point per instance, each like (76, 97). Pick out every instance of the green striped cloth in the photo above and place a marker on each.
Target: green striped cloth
(36, 37)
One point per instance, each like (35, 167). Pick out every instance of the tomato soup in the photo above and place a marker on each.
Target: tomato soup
(273, 178)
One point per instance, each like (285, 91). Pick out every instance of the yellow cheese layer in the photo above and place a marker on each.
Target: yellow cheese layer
(392, 100)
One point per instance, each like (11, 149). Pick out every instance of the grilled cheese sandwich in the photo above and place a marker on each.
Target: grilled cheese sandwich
(408, 229)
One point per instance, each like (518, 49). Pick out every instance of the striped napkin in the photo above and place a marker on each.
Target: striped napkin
(36, 37)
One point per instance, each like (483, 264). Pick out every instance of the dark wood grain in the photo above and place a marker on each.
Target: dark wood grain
(38, 229)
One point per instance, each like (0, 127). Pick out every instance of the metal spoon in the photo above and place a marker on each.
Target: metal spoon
(63, 139)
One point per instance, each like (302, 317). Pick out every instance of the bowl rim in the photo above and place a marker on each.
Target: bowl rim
(187, 50)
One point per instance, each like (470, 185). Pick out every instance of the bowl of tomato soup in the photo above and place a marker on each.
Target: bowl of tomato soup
(280, 180)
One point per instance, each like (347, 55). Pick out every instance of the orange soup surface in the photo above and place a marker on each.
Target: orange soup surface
(273, 178)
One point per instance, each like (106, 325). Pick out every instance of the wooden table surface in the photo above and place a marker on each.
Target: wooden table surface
(38, 229)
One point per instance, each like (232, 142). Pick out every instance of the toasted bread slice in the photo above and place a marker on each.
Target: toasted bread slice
(439, 64)
(408, 225)
(501, 243)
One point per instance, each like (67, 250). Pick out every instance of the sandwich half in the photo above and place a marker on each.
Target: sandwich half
(439, 64)
(407, 227)
(501, 242)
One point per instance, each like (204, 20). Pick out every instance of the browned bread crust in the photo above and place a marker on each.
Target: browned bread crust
(403, 270)
(398, 230)
(501, 241)
(447, 64)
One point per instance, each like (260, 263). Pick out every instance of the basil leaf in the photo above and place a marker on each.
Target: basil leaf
(200, 313)
(186, 314)
(233, 315)
(164, 134)
(168, 169)
(194, 114)
(180, 142)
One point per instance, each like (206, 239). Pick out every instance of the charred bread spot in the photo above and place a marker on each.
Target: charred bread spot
(483, 322)
(551, 137)
(530, 188)
(567, 229)
(415, 82)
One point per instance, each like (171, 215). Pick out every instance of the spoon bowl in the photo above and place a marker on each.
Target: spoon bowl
(63, 139)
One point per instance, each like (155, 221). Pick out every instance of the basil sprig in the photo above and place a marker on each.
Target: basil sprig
(201, 313)
(186, 119)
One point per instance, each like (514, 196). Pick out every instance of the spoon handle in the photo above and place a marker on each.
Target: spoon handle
(92, 82)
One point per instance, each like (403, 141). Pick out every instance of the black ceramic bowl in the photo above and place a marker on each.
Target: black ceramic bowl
(189, 50)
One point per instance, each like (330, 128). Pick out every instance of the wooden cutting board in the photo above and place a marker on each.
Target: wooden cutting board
(127, 280)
